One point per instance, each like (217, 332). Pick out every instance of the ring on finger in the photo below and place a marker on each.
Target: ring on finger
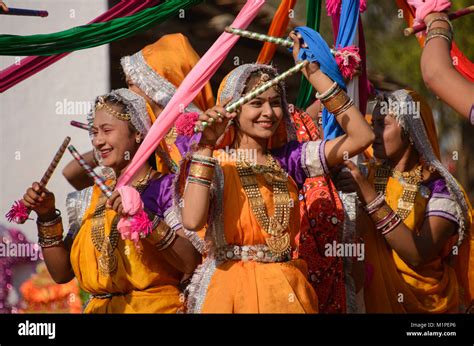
(220, 115)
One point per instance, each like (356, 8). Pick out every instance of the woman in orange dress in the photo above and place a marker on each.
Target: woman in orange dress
(416, 221)
(248, 194)
(119, 276)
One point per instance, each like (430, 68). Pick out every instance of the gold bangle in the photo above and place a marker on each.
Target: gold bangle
(439, 31)
(439, 19)
(167, 241)
(201, 171)
(336, 102)
(159, 233)
(50, 231)
(344, 108)
(438, 35)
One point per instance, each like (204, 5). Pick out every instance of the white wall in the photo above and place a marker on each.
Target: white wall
(30, 125)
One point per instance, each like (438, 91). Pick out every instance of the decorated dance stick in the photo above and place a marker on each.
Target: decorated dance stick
(258, 91)
(99, 181)
(80, 125)
(24, 12)
(259, 37)
(264, 38)
(454, 15)
(19, 213)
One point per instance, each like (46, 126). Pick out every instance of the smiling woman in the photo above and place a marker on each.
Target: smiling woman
(120, 276)
(251, 208)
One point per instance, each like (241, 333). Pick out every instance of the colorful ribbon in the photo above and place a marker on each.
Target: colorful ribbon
(189, 88)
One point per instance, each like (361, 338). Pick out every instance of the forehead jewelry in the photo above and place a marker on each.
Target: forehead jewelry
(102, 104)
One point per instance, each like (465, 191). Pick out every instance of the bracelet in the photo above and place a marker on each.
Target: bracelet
(337, 102)
(439, 32)
(373, 206)
(201, 170)
(199, 181)
(49, 243)
(439, 19)
(327, 93)
(167, 241)
(392, 225)
(344, 108)
(438, 35)
(159, 232)
(51, 222)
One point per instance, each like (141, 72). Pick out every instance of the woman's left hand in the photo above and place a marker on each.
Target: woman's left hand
(298, 42)
(365, 190)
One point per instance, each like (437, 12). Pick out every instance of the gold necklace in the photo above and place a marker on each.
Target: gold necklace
(411, 184)
(276, 226)
(106, 245)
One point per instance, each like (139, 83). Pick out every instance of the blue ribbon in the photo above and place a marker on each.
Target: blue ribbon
(319, 51)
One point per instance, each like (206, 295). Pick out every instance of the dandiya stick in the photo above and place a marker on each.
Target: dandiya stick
(258, 91)
(24, 12)
(90, 172)
(453, 15)
(264, 38)
(18, 207)
(80, 125)
(259, 37)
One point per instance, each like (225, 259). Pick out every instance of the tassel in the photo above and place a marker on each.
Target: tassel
(18, 213)
(348, 60)
(135, 227)
(185, 124)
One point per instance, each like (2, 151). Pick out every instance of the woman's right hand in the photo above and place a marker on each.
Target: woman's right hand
(41, 201)
(217, 119)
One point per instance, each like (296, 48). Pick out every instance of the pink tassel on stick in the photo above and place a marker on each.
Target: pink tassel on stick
(348, 60)
(185, 124)
(18, 213)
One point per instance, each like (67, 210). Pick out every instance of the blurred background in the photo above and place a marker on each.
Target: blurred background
(34, 114)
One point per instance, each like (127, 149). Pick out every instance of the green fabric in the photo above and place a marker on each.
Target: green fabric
(91, 35)
(313, 18)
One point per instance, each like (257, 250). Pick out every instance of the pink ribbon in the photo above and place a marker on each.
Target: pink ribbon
(425, 7)
(189, 88)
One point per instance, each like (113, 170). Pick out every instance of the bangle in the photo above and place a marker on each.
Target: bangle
(344, 108)
(439, 19)
(48, 232)
(159, 232)
(43, 243)
(327, 92)
(373, 206)
(392, 225)
(337, 102)
(51, 222)
(439, 32)
(167, 241)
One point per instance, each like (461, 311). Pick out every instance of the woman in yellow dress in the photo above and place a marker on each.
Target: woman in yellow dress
(248, 196)
(120, 277)
(417, 219)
